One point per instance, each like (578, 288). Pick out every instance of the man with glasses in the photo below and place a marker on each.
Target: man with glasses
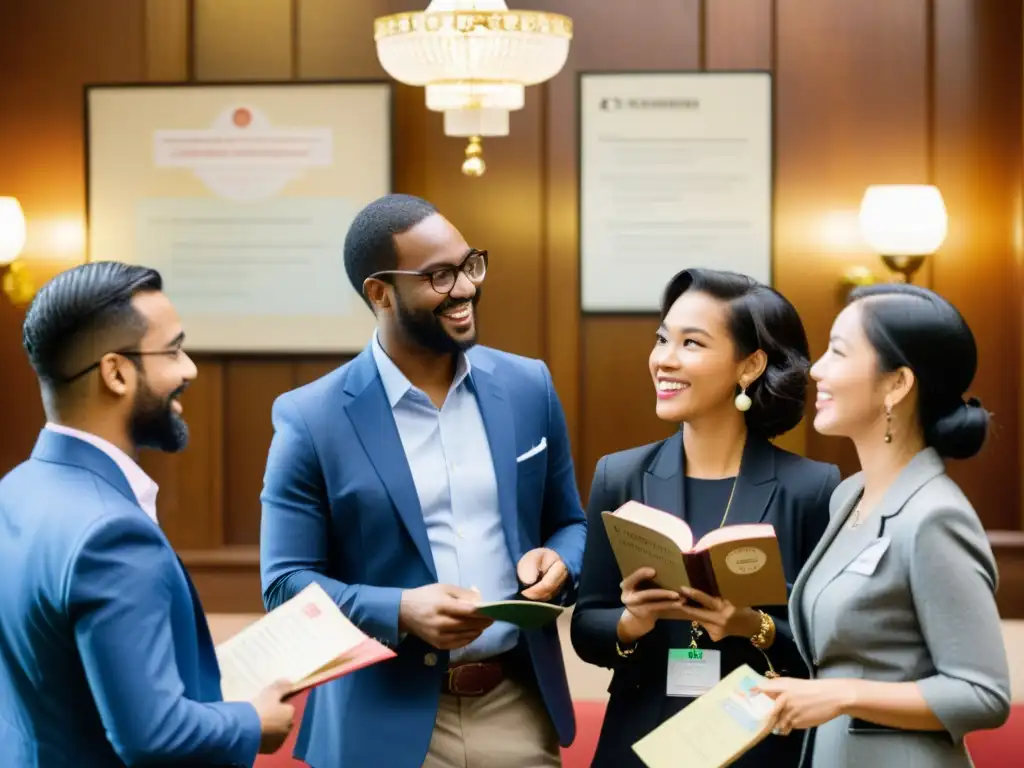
(422, 477)
(105, 657)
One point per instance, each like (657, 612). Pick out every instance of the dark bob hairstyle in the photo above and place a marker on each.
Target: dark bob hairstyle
(759, 318)
(916, 328)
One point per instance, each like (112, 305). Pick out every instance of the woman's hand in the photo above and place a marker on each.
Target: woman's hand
(645, 606)
(719, 617)
(801, 704)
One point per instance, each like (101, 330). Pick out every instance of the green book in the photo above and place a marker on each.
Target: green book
(526, 614)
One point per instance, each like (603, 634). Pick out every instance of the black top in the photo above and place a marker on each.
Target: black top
(774, 486)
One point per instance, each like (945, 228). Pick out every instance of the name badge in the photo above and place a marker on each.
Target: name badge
(692, 672)
(868, 560)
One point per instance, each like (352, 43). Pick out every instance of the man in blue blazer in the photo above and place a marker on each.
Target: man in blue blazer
(105, 656)
(417, 479)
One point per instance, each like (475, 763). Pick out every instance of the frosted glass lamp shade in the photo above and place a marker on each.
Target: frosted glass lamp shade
(12, 230)
(903, 219)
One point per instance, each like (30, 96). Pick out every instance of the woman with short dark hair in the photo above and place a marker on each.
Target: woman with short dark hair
(895, 610)
(729, 365)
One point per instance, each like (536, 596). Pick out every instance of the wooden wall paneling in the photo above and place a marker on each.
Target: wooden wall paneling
(739, 35)
(48, 50)
(501, 211)
(243, 39)
(851, 89)
(312, 369)
(192, 482)
(167, 40)
(250, 386)
(600, 364)
(335, 39)
(246, 40)
(978, 160)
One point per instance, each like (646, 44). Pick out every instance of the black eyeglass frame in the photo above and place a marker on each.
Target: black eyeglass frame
(129, 353)
(433, 274)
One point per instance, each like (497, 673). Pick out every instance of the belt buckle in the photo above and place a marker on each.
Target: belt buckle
(453, 680)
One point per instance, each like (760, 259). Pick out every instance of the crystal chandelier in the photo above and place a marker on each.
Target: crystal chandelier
(475, 59)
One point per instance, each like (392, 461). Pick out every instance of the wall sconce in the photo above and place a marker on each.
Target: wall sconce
(903, 224)
(17, 284)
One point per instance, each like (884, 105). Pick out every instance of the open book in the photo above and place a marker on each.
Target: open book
(740, 563)
(306, 640)
(715, 729)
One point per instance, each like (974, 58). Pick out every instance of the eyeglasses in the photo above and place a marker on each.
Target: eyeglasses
(172, 353)
(443, 280)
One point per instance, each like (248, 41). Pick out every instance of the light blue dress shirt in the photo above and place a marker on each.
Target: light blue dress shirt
(450, 460)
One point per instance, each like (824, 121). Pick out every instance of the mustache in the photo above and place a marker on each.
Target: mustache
(450, 303)
(177, 393)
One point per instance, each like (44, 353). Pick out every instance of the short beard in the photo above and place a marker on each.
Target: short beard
(424, 328)
(153, 424)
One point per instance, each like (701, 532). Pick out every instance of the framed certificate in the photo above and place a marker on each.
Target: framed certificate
(676, 171)
(241, 195)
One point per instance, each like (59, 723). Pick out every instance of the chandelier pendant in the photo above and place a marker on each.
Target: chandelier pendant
(475, 59)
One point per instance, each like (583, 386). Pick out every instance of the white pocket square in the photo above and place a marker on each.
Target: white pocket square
(541, 446)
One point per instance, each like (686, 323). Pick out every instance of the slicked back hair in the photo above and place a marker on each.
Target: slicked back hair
(81, 315)
(370, 242)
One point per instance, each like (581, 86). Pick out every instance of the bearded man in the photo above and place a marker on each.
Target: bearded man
(105, 655)
(423, 476)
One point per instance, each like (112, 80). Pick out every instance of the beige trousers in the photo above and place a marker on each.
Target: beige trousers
(507, 728)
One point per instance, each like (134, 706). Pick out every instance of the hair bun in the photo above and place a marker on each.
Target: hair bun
(961, 433)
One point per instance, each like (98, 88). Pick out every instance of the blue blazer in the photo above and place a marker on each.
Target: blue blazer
(105, 656)
(340, 508)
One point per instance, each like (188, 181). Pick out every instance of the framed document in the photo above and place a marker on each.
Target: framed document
(241, 196)
(675, 172)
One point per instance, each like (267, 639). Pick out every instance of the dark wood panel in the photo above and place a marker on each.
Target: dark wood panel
(167, 39)
(227, 579)
(48, 50)
(665, 36)
(619, 395)
(335, 39)
(191, 482)
(310, 370)
(251, 386)
(977, 165)
(851, 110)
(738, 34)
(243, 39)
(1008, 547)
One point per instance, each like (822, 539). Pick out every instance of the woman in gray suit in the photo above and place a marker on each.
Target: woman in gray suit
(895, 612)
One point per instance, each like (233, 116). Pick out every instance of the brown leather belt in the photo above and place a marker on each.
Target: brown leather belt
(478, 678)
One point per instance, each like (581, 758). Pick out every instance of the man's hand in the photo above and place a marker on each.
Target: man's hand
(544, 570)
(276, 717)
(442, 615)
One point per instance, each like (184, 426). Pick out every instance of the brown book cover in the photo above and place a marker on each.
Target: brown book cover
(740, 563)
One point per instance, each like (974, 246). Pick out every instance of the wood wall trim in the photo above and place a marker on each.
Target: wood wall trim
(228, 579)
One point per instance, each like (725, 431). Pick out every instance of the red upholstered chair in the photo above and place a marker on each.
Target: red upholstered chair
(1000, 747)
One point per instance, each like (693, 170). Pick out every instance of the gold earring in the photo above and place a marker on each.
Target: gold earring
(888, 423)
(743, 401)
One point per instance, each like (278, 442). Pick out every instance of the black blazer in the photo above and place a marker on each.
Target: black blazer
(774, 486)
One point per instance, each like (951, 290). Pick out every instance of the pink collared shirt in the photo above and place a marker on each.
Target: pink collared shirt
(142, 485)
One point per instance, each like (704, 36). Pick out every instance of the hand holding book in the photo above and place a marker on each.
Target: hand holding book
(741, 564)
(304, 642)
